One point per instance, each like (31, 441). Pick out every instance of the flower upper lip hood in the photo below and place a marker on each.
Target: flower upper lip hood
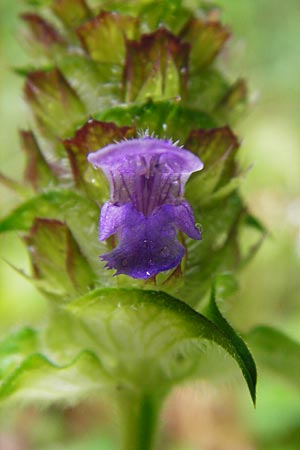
(147, 207)
(173, 156)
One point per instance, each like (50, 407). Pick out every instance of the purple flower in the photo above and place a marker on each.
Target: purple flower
(147, 207)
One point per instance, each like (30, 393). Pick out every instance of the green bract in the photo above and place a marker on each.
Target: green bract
(109, 322)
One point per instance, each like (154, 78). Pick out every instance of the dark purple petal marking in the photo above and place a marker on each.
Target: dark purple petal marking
(147, 208)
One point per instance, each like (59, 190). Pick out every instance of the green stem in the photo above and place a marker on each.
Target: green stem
(140, 420)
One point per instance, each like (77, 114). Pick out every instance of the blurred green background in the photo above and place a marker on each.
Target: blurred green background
(264, 49)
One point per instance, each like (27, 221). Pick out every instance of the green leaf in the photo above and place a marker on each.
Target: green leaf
(174, 7)
(224, 223)
(144, 339)
(40, 38)
(207, 88)
(156, 67)
(37, 171)
(14, 186)
(96, 84)
(211, 145)
(153, 325)
(64, 336)
(54, 103)
(39, 380)
(206, 39)
(277, 352)
(104, 36)
(77, 211)
(233, 101)
(50, 366)
(168, 14)
(14, 348)
(255, 223)
(219, 249)
(166, 119)
(71, 12)
(37, 3)
(57, 262)
(217, 149)
(225, 190)
(52, 204)
(242, 355)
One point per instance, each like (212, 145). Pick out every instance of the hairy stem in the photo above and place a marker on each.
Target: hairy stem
(140, 420)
